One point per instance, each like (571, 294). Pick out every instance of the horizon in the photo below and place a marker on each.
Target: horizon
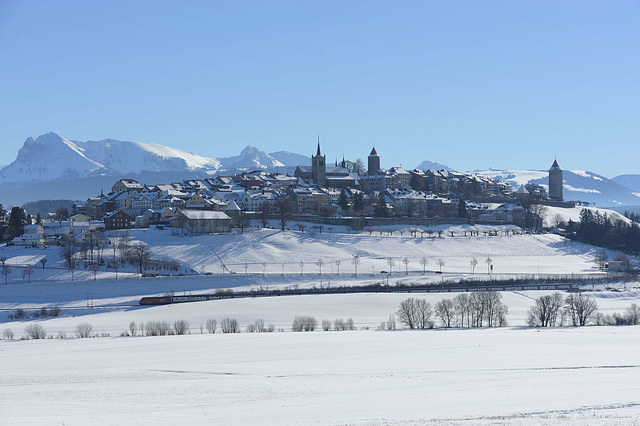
(474, 86)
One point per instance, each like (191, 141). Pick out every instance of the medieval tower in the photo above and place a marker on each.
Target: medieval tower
(374, 163)
(555, 182)
(319, 167)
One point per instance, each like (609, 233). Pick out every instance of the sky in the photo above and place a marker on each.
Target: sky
(473, 85)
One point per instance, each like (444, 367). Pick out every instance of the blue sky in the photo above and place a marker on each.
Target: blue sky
(471, 84)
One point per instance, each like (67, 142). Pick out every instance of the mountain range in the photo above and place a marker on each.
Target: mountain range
(51, 156)
(51, 167)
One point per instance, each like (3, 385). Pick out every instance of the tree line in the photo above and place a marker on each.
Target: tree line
(599, 229)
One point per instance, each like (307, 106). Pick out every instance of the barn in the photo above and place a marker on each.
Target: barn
(201, 221)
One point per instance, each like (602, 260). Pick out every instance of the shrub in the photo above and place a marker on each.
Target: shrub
(157, 328)
(304, 323)
(326, 325)
(133, 328)
(229, 325)
(35, 331)
(211, 326)
(54, 312)
(7, 334)
(19, 313)
(83, 330)
(62, 335)
(256, 327)
(180, 327)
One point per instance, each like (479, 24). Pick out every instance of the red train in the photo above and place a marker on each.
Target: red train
(158, 300)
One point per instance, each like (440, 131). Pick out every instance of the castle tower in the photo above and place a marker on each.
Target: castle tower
(555, 182)
(319, 167)
(374, 163)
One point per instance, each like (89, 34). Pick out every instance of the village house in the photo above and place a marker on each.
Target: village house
(201, 221)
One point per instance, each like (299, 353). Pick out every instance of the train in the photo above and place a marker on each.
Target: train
(166, 300)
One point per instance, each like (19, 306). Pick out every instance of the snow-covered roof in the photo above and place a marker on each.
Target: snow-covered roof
(204, 214)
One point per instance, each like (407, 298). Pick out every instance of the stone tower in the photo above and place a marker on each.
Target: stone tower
(555, 182)
(319, 167)
(374, 163)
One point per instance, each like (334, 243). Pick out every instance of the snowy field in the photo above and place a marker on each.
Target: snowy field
(513, 375)
(572, 376)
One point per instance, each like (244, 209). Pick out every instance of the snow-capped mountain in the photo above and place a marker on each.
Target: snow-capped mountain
(428, 165)
(135, 157)
(578, 185)
(251, 158)
(52, 157)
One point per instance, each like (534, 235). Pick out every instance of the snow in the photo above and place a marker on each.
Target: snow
(510, 376)
(516, 178)
(574, 189)
(513, 375)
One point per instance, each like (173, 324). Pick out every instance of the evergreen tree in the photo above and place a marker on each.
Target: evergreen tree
(358, 202)
(17, 221)
(382, 210)
(462, 209)
(343, 202)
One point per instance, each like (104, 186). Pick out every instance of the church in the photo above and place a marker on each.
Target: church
(326, 176)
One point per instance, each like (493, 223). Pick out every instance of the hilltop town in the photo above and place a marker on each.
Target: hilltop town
(344, 193)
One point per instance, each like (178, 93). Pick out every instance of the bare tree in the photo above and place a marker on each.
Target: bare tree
(544, 313)
(415, 313)
(424, 262)
(180, 327)
(229, 325)
(43, 261)
(406, 265)
(320, 263)
(264, 267)
(301, 263)
(356, 261)
(326, 325)
(133, 328)
(441, 264)
(304, 323)
(391, 262)
(445, 311)
(337, 262)
(7, 334)
(264, 211)
(601, 259)
(488, 261)
(580, 309)
(284, 209)
(139, 254)
(68, 254)
(462, 307)
(83, 330)
(474, 263)
(27, 272)
(211, 325)
(633, 314)
(6, 270)
(35, 331)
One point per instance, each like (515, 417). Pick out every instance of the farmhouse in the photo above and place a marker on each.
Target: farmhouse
(201, 221)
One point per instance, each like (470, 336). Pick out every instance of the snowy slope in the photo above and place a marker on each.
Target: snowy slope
(135, 157)
(578, 185)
